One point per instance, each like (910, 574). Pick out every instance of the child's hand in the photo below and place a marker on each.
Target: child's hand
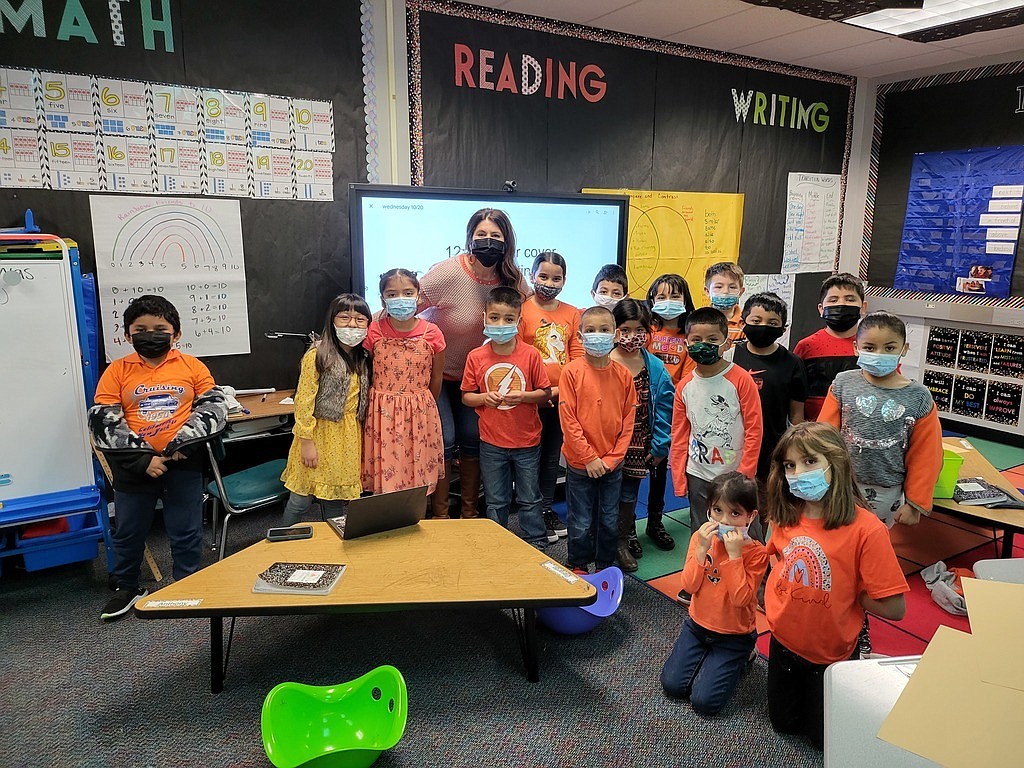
(308, 454)
(908, 514)
(178, 456)
(515, 397)
(705, 534)
(653, 461)
(734, 543)
(596, 468)
(157, 466)
(493, 400)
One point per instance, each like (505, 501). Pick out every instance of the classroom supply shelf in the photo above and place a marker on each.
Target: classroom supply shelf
(46, 466)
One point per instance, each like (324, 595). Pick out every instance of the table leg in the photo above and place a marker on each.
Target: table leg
(216, 654)
(1008, 542)
(526, 630)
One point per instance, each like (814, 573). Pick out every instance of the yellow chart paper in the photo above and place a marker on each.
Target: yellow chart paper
(997, 620)
(681, 232)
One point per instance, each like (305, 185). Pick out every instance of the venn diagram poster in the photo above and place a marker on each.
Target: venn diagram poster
(962, 225)
(188, 250)
(680, 232)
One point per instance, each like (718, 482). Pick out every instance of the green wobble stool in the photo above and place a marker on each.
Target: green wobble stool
(335, 726)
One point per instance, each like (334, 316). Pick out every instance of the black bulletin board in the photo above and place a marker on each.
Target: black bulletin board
(296, 252)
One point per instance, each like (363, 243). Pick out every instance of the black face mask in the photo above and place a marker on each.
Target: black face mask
(841, 317)
(762, 336)
(488, 251)
(151, 344)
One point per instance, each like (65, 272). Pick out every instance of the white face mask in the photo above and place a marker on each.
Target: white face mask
(606, 301)
(350, 337)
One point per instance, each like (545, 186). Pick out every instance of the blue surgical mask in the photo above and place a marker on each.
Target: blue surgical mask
(598, 344)
(401, 307)
(809, 486)
(724, 529)
(669, 309)
(500, 334)
(878, 364)
(724, 300)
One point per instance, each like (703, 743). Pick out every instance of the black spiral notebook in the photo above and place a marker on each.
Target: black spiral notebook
(299, 578)
(975, 491)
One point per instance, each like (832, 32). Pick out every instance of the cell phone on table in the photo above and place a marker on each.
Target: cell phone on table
(290, 534)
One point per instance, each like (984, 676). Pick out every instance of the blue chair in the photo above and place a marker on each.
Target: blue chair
(335, 726)
(574, 620)
(243, 491)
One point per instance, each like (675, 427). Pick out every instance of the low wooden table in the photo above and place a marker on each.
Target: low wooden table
(976, 465)
(261, 406)
(434, 564)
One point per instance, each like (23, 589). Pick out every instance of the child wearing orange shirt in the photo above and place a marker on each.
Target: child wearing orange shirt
(153, 408)
(723, 285)
(598, 408)
(723, 570)
(504, 381)
(552, 327)
(832, 561)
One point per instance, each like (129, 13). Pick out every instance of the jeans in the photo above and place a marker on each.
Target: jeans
(459, 425)
(298, 505)
(796, 693)
(498, 467)
(705, 666)
(593, 516)
(550, 453)
(630, 490)
(182, 493)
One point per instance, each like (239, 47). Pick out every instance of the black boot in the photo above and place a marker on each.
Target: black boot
(656, 532)
(635, 548)
(626, 560)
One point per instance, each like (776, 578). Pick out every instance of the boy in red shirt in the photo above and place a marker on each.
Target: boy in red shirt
(598, 408)
(153, 407)
(504, 381)
(830, 350)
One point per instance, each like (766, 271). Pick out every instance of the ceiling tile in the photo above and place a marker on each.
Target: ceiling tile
(993, 46)
(858, 61)
(726, 35)
(579, 11)
(655, 18)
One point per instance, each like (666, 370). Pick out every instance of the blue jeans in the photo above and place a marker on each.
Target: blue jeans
(550, 453)
(630, 490)
(459, 425)
(182, 492)
(498, 467)
(705, 666)
(593, 516)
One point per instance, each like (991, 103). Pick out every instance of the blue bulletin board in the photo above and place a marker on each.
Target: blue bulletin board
(962, 223)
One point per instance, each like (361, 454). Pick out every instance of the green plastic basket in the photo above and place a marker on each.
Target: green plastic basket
(951, 463)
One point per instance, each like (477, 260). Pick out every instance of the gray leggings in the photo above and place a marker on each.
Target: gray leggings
(298, 505)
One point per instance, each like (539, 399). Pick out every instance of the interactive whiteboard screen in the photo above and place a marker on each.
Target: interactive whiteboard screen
(417, 227)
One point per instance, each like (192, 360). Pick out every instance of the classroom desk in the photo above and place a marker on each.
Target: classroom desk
(265, 418)
(434, 564)
(259, 408)
(976, 465)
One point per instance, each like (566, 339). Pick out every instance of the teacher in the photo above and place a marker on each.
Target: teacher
(453, 294)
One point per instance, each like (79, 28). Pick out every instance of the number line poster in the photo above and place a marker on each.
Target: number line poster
(92, 134)
(188, 250)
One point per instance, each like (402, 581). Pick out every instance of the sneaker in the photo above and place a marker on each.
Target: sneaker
(554, 523)
(579, 570)
(753, 655)
(683, 598)
(864, 641)
(121, 603)
(549, 533)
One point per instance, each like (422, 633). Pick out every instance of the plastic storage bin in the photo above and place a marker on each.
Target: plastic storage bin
(951, 463)
(73, 547)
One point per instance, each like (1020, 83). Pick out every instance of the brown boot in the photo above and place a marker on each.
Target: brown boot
(627, 524)
(469, 485)
(439, 498)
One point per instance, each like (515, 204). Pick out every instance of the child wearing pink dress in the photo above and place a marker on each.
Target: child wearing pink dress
(402, 446)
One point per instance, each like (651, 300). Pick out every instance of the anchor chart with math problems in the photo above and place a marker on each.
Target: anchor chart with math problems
(187, 250)
(680, 232)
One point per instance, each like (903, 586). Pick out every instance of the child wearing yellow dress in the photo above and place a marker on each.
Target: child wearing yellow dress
(330, 408)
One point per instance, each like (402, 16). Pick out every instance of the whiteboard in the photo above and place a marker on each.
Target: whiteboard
(44, 444)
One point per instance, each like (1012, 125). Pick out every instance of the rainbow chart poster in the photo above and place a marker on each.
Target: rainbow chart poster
(188, 250)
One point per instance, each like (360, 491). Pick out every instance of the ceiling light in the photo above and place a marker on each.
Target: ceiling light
(935, 13)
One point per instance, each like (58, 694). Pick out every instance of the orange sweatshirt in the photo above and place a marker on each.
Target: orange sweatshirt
(597, 407)
(724, 590)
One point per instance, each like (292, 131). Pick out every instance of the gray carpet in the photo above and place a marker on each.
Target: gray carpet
(79, 692)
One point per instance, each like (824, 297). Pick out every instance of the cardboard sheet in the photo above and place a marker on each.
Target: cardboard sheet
(997, 620)
(949, 715)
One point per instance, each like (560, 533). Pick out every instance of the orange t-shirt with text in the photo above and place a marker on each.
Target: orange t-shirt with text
(507, 426)
(671, 350)
(724, 590)
(813, 595)
(156, 401)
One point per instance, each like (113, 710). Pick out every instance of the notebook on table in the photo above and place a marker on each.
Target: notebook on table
(383, 512)
(975, 491)
(299, 578)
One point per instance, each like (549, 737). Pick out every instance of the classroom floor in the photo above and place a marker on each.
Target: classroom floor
(939, 537)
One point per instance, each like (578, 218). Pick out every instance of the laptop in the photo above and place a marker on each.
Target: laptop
(383, 512)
